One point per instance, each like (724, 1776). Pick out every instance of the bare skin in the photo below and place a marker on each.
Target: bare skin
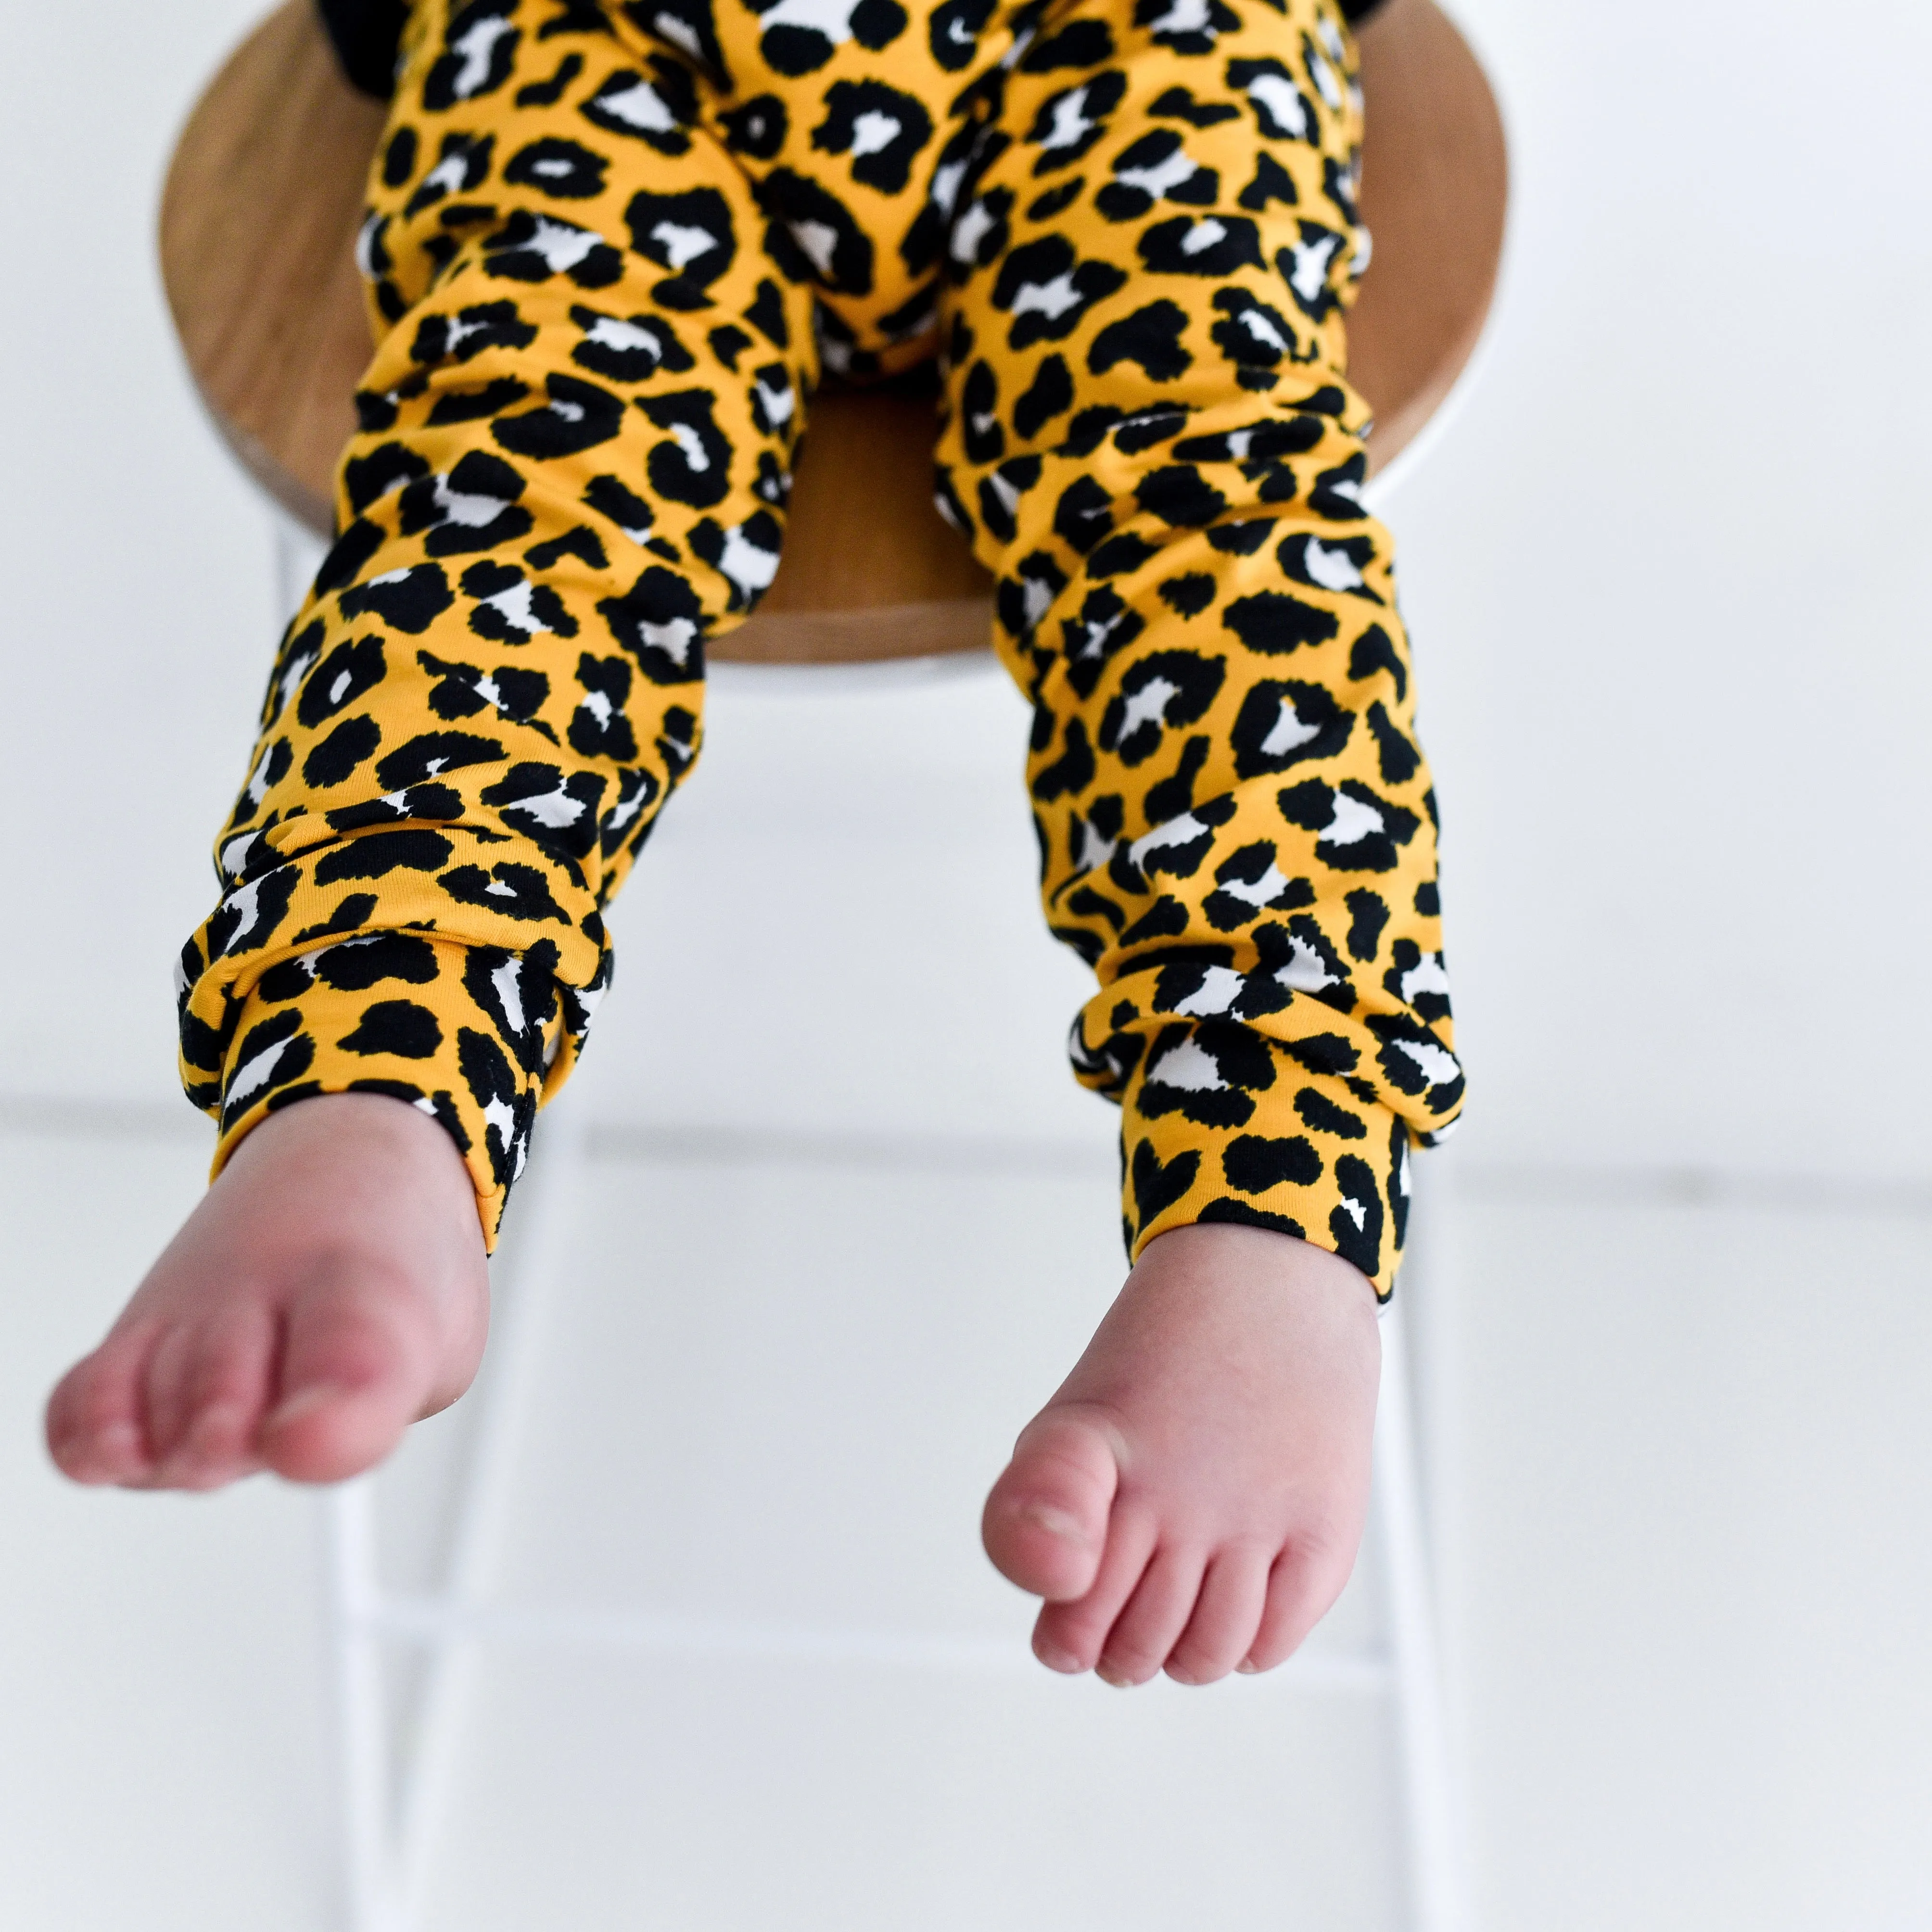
(1191, 1500)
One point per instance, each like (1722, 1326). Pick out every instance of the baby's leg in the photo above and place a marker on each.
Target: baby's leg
(576, 438)
(1153, 442)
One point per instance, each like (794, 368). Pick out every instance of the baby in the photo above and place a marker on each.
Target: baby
(612, 250)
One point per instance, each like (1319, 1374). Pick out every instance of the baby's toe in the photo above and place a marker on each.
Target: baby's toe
(356, 1372)
(1306, 1579)
(1144, 1635)
(1069, 1636)
(94, 1427)
(223, 1390)
(1227, 1614)
(1046, 1521)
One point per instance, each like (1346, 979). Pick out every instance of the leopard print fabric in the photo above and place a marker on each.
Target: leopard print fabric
(612, 250)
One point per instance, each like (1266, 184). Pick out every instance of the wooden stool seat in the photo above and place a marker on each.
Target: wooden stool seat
(265, 195)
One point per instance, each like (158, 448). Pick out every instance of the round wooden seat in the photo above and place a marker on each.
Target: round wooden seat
(265, 195)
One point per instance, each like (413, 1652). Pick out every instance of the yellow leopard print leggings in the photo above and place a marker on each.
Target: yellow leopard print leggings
(612, 249)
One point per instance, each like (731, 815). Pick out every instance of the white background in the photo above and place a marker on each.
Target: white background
(1666, 577)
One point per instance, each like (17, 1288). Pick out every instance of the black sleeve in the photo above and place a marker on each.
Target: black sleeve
(367, 34)
(1355, 11)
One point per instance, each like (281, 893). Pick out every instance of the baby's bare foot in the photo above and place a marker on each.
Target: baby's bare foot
(1193, 1497)
(329, 1290)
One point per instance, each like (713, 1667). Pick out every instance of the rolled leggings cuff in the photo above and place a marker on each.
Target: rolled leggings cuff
(1309, 1157)
(457, 1031)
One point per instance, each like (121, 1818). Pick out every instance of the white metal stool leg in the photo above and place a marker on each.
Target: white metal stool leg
(1436, 1877)
(388, 1824)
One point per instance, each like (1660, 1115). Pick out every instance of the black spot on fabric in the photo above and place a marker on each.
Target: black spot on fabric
(795, 50)
(1360, 833)
(637, 791)
(471, 331)
(434, 802)
(1256, 443)
(369, 478)
(1337, 494)
(249, 918)
(660, 622)
(1281, 724)
(999, 494)
(1254, 1164)
(1241, 539)
(1080, 43)
(338, 754)
(1355, 1226)
(1254, 336)
(495, 1089)
(355, 910)
(630, 512)
(531, 247)
(690, 235)
(1163, 691)
(980, 428)
(1400, 760)
(558, 815)
(1326, 1117)
(399, 1027)
(474, 508)
(1055, 201)
(1326, 1053)
(518, 992)
(1120, 555)
(1186, 28)
(1429, 899)
(1272, 183)
(268, 1056)
(511, 609)
(1048, 291)
(357, 965)
(758, 128)
(1146, 429)
(1178, 103)
(953, 29)
(1155, 168)
(598, 728)
(1249, 882)
(1072, 773)
(1416, 979)
(462, 406)
(1368, 914)
(548, 93)
(462, 690)
(1281, 111)
(463, 164)
(896, 127)
(1275, 624)
(1374, 653)
(566, 169)
(693, 464)
(339, 679)
(346, 555)
(479, 54)
(375, 855)
(1158, 1185)
(1149, 337)
(656, 110)
(728, 342)
(1181, 497)
(1242, 1214)
(515, 891)
(1206, 1073)
(1049, 393)
(1084, 515)
(409, 601)
(1307, 266)
(429, 754)
(399, 157)
(628, 349)
(1102, 626)
(1211, 245)
(1172, 796)
(581, 543)
(820, 226)
(1167, 918)
(1414, 1061)
(1337, 564)
(578, 416)
(1188, 595)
